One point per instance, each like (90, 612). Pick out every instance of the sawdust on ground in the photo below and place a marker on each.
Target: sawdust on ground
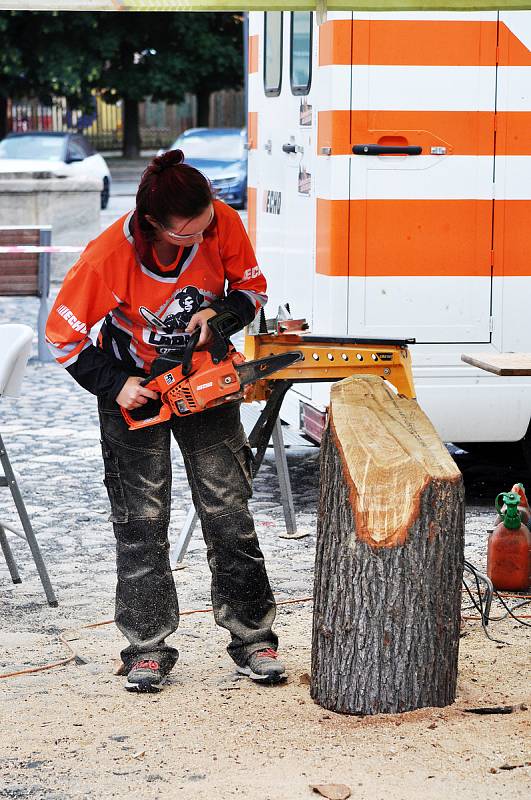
(73, 733)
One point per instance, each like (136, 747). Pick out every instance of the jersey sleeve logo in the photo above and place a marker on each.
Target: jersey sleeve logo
(75, 323)
(252, 272)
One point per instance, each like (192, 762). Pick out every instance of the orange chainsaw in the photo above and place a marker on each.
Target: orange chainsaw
(206, 378)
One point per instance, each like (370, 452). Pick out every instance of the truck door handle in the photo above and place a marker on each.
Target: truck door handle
(382, 149)
(290, 148)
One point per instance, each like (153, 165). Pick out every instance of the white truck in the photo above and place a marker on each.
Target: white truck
(390, 195)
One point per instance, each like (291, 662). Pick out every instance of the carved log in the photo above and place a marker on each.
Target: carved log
(389, 558)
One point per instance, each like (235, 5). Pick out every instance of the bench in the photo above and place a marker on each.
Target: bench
(27, 274)
(500, 363)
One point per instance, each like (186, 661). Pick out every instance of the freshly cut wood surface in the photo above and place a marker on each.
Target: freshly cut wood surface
(500, 363)
(390, 451)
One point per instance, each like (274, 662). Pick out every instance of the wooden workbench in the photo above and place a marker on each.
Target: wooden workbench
(500, 363)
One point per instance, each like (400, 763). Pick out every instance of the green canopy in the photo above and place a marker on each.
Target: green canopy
(264, 5)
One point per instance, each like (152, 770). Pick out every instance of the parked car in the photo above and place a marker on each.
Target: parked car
(62, 154)
(221, 155)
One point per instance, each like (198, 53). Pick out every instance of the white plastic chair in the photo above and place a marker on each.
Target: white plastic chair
(15, 347)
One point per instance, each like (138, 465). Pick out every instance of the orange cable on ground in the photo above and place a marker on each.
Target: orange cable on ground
(75, 655)
(110, 622)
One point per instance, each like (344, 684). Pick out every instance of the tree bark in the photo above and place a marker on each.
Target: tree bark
(389, 558)
(131, 143)
(203, 108)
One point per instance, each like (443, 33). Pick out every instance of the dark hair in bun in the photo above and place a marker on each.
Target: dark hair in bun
(169, 159)
(171, 188)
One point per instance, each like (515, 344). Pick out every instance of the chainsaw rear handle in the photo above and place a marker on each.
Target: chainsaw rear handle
(135, 424)
(163, 415)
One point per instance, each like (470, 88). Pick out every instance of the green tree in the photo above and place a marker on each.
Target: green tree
(42, 54)
(164, 56)
(127, 56)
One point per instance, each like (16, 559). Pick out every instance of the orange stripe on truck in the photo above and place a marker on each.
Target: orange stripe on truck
(408, 42)
(420, 237)
(252, 130)
(512, 51)
(424, 43)
(461, 132)
(404, 237)
(512, 238)
(457, 43)
(253, 54)
(513, 133)
(335, 42)
(333, 130)
(332, 237)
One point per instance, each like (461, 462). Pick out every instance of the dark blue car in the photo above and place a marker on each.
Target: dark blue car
(221, 155)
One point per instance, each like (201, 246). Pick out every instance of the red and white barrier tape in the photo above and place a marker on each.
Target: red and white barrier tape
(30, 248)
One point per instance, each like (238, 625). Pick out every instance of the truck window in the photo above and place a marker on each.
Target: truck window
(272, 53)
(301, 52)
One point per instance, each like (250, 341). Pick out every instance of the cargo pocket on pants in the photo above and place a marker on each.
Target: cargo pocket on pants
(244, 457)
(113, 484)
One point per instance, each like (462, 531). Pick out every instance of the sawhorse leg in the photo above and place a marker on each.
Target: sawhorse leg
(268, 425)
(184, 537)
(281, 463)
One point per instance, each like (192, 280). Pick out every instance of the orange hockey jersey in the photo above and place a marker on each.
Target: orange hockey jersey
(146, 305)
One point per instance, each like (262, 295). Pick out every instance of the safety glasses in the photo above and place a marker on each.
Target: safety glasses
(180, 237)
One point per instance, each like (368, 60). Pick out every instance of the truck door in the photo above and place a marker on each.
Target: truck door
(297, 157)
(421, 186)
(512, 207)
(285, 206)
(265, 159)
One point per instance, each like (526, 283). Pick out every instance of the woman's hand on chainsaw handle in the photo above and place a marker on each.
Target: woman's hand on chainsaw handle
(133, 395)
(199, 320)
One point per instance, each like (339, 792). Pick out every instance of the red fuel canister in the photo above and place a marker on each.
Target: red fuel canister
(509, 547)
(523, 505)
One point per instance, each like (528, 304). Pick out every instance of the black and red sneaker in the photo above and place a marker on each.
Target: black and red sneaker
(264, 666)
(146, 675)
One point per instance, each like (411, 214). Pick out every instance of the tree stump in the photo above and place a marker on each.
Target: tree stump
(389, 558)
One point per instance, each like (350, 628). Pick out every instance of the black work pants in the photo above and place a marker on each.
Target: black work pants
(217, 459)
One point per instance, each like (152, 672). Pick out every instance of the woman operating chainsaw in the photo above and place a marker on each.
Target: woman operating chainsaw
(155, 276)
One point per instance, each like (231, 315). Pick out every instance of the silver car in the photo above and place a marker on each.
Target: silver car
(62, 154)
